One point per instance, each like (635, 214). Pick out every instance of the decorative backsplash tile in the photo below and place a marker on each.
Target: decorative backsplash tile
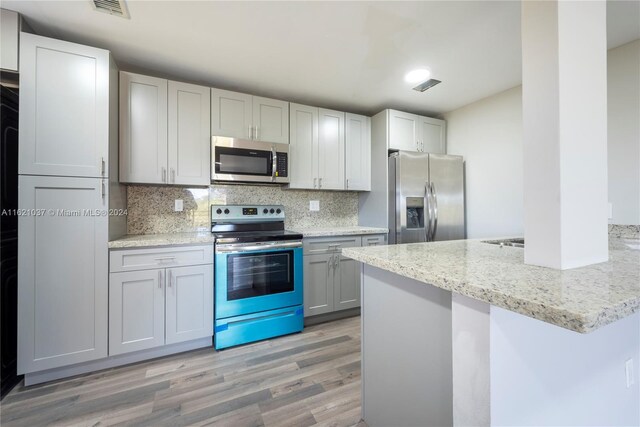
(150, 208)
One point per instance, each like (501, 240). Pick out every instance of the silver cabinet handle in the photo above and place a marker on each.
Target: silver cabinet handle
(435, 211)
(159, 279)
(330, 266)
(427, 212)
(347, 183)
(164, 174)
(103, 168)
(103, 190)
(336, 262)
(417, 145)
(319, 182)
(314, 182)
(250, 131)
(173, 175)
(257, 133)
(169, 282)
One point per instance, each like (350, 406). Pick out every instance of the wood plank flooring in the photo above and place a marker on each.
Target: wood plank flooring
(306, 379)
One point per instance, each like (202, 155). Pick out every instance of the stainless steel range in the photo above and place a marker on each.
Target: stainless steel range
(258, 274)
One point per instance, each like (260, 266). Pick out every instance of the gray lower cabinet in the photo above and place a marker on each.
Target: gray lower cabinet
(331, 281)
(136, 311)
(318, 284)
(158, 306)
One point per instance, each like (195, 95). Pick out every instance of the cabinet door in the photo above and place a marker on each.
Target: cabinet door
(403, 131)
(304, 147)
(346, 289)
(189, 303)
(271, 120)
(432, 135)
(231, 114)
(9, 39)
(358, 152)
(64, 108)
(136, 310)
(318, 284)
(62, 272)
(189, 134)
(143, 129)
(330, 149)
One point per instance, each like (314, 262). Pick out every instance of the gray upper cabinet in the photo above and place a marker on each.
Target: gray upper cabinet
(64, 108)
(318, 140)
(62, 270)
(330, 150)
(432, 135)
(357, 152)
(303, 146)
(238, 115)
(189, 134)
(271, 120)
(9, 39)
(411, 132)
(143, 129)
(231, 114)
(164, 131)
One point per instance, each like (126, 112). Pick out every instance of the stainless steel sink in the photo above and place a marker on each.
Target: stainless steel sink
(516, 243)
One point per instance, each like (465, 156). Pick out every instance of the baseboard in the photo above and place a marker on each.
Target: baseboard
(328, 317)
(114, 361)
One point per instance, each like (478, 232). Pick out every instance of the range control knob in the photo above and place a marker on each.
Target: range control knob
(226, 211)
(219, 211)
(278, 210)
(265, 211)
(271, 210)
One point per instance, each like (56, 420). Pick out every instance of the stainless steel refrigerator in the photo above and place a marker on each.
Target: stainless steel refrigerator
(426, 197)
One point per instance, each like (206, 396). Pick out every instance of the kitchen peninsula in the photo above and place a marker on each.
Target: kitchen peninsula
(464, 333)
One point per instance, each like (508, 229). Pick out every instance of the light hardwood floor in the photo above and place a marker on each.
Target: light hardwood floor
(306, 379)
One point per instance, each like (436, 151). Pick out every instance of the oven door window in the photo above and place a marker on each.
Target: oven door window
(256, 274)
(240, 161)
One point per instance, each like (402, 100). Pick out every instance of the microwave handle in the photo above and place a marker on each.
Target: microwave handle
(274, 163)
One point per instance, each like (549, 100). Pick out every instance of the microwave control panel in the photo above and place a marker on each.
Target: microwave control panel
(281, 168)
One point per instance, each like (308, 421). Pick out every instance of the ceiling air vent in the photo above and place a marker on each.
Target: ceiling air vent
(112, 7)
(426, 85)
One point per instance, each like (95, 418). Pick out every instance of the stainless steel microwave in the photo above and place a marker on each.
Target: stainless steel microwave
(241, 160)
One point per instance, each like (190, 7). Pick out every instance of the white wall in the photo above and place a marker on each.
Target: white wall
(543, 375)
(488, 133)
(624, 133)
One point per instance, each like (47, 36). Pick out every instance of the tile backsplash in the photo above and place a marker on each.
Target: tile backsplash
(151, 208)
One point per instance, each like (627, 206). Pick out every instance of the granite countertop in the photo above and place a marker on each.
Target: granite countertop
(338, 231)
(582, 299)
(168, 239)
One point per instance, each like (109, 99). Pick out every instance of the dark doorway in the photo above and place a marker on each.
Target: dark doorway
(8, 238)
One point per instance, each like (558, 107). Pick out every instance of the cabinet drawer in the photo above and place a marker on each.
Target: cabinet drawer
(374, 240)
(144, 259)
(321, 245)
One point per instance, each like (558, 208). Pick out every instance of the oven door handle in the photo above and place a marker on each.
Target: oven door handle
(253, 247)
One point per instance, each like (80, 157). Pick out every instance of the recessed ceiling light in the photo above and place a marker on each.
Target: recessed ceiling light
(417, 76)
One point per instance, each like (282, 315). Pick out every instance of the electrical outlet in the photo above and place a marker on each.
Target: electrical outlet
(314, 205)
(179, 206)
(628, 369)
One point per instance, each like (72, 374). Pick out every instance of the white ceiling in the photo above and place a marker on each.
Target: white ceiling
(344, 55)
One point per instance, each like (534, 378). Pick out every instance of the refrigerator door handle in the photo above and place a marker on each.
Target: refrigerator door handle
(435, 211)
(427, 212)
